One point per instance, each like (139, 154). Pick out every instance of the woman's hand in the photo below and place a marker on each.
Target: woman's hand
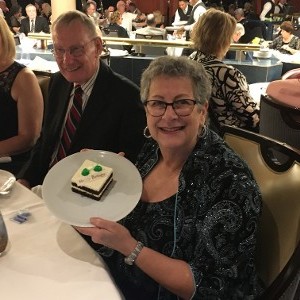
(110, 234)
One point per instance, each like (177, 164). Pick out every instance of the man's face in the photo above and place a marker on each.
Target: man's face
(193, 2)
(31, 12)
(91, 9)
(77, 55)
(121, 6)
(182, 4)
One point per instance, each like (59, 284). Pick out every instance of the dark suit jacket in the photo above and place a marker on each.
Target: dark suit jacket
(113, 120)
(41, 24)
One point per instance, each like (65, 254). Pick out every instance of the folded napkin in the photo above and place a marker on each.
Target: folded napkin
(5, 159)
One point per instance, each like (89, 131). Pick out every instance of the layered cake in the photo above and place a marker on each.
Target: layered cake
(91, 179)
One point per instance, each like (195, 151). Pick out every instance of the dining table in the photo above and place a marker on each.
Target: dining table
(46, 258)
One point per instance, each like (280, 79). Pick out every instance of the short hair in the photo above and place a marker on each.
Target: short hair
(15, 9)
(8, 47)
(115, 16)
(29, 5)
(213, 31)
(72, 16)
(287, 26)
(177, 66)
(239, 28)
(150, 20)
(239, 11)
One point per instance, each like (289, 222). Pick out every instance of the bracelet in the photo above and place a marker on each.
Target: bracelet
(130, 259)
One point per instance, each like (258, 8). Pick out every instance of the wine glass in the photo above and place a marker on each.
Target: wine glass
(3, 235)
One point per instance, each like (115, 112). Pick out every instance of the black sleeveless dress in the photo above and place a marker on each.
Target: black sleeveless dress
(9, 115)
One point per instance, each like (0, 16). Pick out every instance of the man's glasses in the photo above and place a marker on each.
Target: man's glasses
(75, 51)
(182, 107)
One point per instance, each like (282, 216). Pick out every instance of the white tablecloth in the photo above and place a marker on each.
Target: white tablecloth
(46, 259)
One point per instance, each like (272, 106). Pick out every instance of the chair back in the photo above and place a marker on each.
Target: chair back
(279, 227)
(280, 120)
(43, 81)
(150, 50)
(111, 33)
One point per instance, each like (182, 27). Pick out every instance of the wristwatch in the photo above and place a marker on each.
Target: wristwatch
(130, 259)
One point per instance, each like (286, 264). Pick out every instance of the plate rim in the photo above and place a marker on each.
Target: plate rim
(94, 202)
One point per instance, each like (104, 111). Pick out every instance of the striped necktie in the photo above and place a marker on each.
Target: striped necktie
(71, 125)
(32, 26)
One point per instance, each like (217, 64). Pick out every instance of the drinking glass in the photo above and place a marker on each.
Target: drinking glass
(3, 235)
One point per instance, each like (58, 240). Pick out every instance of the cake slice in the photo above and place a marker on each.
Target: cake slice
(91, 179)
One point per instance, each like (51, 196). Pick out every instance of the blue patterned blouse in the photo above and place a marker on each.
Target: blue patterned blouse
(211, 223)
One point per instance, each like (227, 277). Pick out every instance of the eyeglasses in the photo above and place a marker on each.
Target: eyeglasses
(182, 107)
(75, 51)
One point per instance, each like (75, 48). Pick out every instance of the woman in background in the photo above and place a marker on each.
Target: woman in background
(286, 42)
(21, 105)
(230, 102)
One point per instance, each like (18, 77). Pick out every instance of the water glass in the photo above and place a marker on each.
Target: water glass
(3, 235)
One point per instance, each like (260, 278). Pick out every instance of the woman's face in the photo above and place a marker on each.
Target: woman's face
(284, 33)
(170, 130)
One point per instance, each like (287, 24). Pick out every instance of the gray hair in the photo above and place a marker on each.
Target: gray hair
(174, 67)
(239, 28)
(75, 15)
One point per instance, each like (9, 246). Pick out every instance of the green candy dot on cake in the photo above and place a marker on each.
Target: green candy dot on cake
(97, 168)
(85, 172)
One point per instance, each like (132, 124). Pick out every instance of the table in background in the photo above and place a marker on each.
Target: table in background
(47, 259)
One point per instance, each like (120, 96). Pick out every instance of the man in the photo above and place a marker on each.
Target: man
(4, 11)
(268, 10)
(183, 12)
(33, 23)
(281, 7)
(112, 115)
(127, 17)
(151, 28)
(198, 9)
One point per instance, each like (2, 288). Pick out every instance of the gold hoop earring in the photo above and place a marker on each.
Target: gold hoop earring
(146, 133)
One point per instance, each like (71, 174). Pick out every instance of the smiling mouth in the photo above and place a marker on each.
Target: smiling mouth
(172, 129)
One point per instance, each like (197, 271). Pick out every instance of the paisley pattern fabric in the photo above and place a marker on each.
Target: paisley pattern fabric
(278, 43)
(230, 102)
(210, 223)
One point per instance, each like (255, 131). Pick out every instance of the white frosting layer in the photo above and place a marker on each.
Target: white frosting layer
(95, 180)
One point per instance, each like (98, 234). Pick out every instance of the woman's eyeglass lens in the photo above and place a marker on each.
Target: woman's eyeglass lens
(182, 107)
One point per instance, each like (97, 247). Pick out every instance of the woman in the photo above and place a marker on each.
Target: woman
(21, 104)
(197, 217)
(286, 42)
(115, 25)
(230, 102)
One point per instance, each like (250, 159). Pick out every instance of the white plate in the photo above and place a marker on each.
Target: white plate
(117, 52)
(117, 201)
(179, 23)
(172, 28)
(6, 180)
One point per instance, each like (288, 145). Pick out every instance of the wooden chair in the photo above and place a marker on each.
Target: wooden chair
(150, 50)
(280, 120)
(279, 229)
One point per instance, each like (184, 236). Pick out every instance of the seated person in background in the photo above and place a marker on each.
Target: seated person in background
(199, 201)
(151, 28)
(33, 23)
(46, 12)
(230, 102)
(286, 42)
(183, 11)
(249, 12)
(238, 33)
(21, 105)
(111, 116)
(15, 19)
(159, 19)
(115, 25)
(127, 17)
(281, 7)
